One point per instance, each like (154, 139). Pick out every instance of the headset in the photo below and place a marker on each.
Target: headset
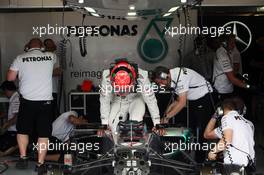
(161, 73)
(163, 76)
(242, 111)
(219, 111)
(27, 46)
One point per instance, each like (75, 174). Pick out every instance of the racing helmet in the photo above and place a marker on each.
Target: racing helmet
(123, 76)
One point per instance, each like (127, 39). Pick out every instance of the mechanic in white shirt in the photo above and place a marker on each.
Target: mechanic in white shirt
(65, 123)
(61, 130)
(50, 46)
(8, 142)
(34, 70)
(188, 85)
(236, 133)
(118, 98)
(191, 86)
(223, 75)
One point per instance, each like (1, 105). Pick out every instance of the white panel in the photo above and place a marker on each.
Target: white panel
(29, 3)
(52, 3)
(4, 3)
(16, 29)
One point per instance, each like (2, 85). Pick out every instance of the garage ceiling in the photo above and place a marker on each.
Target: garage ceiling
(122, 3)
(121, 7)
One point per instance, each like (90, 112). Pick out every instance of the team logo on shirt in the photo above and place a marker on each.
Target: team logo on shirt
(33, 59)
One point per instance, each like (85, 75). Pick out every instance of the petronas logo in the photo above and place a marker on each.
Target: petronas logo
(155, 48)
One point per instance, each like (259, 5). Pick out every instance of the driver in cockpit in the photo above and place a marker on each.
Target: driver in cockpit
(124, 90)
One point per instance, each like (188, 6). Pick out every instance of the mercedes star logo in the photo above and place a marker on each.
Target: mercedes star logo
(240, 28)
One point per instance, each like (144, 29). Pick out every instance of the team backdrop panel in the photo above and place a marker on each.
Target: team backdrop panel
(116, 38)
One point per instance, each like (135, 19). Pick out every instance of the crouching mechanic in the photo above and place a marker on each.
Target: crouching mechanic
(61, 130)
(236, 135)
(8, 143)
(124, 90)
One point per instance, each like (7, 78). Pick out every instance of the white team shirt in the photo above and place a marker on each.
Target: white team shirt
(243, 138)
(35, 70)
(13, 109)
(236, 58)
(191, 82)
(61, 127)
(222, 64)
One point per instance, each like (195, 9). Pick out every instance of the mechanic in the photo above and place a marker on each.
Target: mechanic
(236, 134)
(35, 111)
(8, 143)
(188, 85)
(117, 98)
(61, 129)
(223, 75)
(50, 46)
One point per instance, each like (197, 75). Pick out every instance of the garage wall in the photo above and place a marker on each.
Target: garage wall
(17, 28)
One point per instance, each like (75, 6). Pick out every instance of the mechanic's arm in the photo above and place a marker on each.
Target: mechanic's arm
(57, 72)
(177, 106)
(235, 81)
(10, 122)
(224, 142)
(11, 75)
(149, 97)
(209, 132)
(236, 67)
(77, 120)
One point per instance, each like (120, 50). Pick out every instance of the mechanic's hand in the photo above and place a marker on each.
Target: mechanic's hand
(100, 132)
(212, 156)
(164, 120)
(160, 131)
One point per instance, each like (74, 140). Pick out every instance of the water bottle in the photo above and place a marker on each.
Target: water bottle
(67, 163)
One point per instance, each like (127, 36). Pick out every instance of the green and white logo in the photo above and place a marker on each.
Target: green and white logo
(154, 48)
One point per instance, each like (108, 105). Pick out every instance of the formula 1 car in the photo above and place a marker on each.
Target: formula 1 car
(134, 151)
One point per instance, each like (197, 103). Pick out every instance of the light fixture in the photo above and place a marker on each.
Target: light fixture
(95, 14)
(89, 9)
(173, 9)
(131, 13)
(81, 1)
(183, 1)
(132, 7)
(131, 18)
(166, 14)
